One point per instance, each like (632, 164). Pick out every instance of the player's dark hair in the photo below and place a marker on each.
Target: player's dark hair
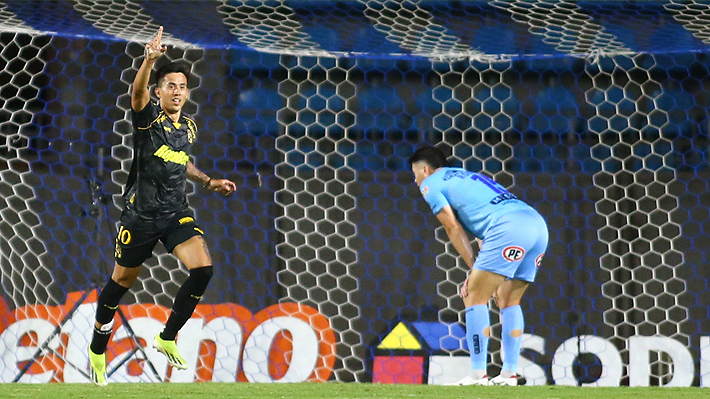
(433, 156)
(173, 67)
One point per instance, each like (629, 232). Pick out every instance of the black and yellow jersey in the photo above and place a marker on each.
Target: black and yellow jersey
(156, 183)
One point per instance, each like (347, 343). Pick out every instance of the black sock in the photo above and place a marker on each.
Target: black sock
(109, 298)
(106, 308)
(173, 325)
(186, 300)
(100, 339)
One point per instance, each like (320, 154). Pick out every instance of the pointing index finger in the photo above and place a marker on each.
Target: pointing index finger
(160, 34)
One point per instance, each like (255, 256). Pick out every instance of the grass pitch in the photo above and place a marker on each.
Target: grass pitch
(332, 390)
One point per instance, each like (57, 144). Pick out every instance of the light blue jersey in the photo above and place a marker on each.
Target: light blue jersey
(514, 235)
(477, 200)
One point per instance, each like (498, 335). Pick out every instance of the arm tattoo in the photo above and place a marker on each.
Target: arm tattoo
(196, 175)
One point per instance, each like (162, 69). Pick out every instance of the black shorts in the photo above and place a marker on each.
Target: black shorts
(137, 237)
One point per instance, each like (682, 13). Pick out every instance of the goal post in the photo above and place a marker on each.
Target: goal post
(329, 265)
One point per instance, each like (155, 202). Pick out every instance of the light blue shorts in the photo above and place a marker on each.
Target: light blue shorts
(514, 245)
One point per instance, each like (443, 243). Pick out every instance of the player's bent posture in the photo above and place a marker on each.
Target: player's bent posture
(513, 241)
(156, 208)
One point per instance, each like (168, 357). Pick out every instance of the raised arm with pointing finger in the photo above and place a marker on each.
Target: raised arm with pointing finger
(140, 96)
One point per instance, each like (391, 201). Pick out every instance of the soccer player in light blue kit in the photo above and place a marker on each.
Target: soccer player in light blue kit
(513, 239)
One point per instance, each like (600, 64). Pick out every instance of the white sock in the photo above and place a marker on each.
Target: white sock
(478, 374)
(506, 373)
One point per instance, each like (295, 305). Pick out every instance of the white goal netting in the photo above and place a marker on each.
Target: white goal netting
(593, 112)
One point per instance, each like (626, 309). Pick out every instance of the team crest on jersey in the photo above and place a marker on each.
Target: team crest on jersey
(425, 190)
(513, 253)
(538, 260)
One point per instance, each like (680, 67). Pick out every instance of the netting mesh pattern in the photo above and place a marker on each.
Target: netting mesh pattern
(594, 113)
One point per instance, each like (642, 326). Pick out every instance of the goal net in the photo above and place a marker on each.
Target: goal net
(329, 265)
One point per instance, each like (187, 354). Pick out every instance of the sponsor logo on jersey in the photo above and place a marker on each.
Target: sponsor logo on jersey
(513, 253)
(425, 190)
(168, 155)
(503, 197)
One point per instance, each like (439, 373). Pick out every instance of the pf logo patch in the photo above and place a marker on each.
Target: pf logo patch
(513, 253)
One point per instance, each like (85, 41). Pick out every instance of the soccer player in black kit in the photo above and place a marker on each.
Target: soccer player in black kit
(156, 208)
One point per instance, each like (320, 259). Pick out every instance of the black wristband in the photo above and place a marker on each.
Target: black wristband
(207, 183)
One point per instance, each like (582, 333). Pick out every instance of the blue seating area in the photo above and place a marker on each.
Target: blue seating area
(495, 108)
(316, 110)
(676, 106)
(435, 107)
(558, 158)
(380, 108)
(557, 110)
(258, 108)
(614, 106)
(400, 113)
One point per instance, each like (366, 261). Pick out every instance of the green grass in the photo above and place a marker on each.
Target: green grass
(332, 390)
